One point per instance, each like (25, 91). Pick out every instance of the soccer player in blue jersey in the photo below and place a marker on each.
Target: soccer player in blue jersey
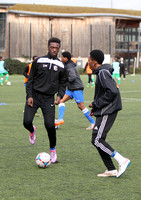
(75, 90)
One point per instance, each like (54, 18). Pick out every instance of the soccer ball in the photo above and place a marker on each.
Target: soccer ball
(43, 160)
(8, 83)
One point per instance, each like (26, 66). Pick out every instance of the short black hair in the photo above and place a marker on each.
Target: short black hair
(54, 39)
(67, 55)
(97, 55)
(34, 57)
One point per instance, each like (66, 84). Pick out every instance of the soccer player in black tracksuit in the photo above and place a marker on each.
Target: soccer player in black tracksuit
(47, 77)
(122, 66)
(106, 104)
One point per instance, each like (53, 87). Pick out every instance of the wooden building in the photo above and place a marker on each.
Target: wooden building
(115, 32)
(3, 25)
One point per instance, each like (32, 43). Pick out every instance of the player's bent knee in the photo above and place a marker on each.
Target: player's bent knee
(81, 106)
(93, 140)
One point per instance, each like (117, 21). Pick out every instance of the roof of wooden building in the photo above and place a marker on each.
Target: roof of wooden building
(70, 9)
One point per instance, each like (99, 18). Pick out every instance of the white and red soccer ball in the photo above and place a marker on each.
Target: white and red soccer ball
(43, 160)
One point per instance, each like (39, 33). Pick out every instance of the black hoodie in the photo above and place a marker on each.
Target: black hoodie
(74, 80)
(107, 98)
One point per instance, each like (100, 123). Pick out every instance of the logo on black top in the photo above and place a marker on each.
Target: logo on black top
(55, 68)
(44, 65)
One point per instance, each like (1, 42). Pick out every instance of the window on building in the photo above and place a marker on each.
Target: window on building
(123, 35)
(2, 30)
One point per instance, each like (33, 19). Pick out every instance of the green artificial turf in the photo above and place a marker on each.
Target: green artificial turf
(75, 175)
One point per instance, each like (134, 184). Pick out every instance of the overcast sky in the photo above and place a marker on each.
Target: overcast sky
(119, 4)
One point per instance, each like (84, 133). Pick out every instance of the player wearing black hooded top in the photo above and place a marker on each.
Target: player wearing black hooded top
(106, 104)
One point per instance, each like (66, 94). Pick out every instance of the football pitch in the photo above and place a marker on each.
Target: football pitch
(75, 175)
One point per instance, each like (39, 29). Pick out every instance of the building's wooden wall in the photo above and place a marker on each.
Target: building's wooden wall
(73, 32)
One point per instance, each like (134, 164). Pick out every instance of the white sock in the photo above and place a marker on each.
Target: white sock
(119, 158)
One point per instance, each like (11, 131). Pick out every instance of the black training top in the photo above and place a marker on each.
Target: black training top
(107, 98)
(47, 76)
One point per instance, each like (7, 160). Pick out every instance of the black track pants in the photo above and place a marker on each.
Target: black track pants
(102, 126)
(46, 103)
(89, 78)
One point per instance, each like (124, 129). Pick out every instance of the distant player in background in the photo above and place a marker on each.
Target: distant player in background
(122, 66)
(3, 71)
(116, 68)
(75, 90)
(26, 74)
(73, 59)
(90, 75)
(27, 70)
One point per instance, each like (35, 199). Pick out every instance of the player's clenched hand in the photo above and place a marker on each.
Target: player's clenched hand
(91, 113)
(90, 105)
(57, 100)
(30, 101)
